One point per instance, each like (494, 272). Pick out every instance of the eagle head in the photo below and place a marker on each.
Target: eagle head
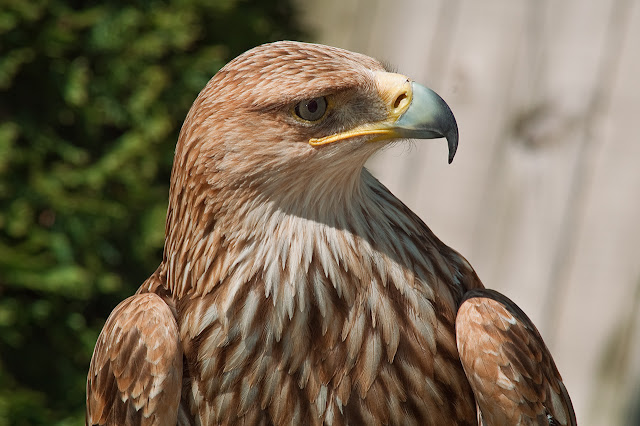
(287, 115)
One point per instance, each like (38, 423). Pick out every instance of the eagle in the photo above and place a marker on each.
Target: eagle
(295, 289)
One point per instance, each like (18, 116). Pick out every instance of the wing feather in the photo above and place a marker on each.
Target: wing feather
(511, 371)
(135, 376)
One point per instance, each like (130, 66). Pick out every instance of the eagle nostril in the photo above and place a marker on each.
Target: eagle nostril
(399, 100)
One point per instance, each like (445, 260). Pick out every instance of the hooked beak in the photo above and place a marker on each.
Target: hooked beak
(413, 112)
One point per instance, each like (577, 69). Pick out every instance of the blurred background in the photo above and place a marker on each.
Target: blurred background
(542, 197)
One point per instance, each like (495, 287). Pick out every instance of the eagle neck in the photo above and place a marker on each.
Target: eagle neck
(346, 227)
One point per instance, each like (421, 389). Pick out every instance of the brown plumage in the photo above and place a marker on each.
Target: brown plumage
(294, 287)
(508, 365)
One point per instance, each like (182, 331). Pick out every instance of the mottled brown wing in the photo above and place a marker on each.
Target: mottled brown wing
(135, 375)
(511, 371)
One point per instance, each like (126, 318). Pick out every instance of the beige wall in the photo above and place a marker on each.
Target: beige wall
(543, 197)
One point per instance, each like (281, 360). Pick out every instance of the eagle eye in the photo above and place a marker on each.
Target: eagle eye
(311, 109)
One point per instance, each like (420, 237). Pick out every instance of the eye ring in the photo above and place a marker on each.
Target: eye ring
(311, 109)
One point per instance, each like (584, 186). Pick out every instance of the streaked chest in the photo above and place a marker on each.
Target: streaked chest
(337, 320)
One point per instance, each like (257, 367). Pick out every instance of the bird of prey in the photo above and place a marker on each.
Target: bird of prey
(295, 289)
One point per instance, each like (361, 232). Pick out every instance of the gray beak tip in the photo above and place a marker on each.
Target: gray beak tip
(452, 142)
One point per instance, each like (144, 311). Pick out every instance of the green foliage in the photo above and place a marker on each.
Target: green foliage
(92, 96)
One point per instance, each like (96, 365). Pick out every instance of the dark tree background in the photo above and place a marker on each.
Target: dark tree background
(92, 97)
